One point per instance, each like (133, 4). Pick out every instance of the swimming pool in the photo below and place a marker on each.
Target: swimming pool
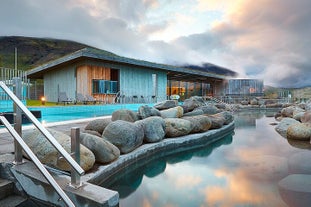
(73, 112)
(239, 170)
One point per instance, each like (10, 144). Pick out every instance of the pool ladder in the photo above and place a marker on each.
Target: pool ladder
(20, 145)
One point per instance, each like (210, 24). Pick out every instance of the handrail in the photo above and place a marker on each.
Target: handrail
(43, 130)
(37, 162)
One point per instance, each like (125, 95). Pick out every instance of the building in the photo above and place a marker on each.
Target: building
(245, 87)
(107, 76)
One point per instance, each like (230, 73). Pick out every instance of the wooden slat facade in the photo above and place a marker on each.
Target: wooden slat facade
(87, 73)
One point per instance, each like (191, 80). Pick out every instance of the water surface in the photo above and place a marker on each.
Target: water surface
(239, 170)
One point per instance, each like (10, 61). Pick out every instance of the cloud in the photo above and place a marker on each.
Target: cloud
(263, 39)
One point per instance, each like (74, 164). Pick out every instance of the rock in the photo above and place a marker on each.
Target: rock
(104, 151)
(147, 111)
(209, 109)
(300, 163)
(218, 120)
(175, 127)
(92, 132)
(295, 190)
(193, 102)
(282, 127)
(270, 102)
(300, 144)
(175, 112)
(165, 104)
(275, 105)
(297, 116)
(254, 102)
(125, 115)
(244, 103)
(299, 131)
(98, 125)
(194, 113)
(154, 128)
(306, 117)
(221, 106)
(308, 106)
(48, 154)
(125, 135)
(291, 111)
(228, 117)
(200, 123)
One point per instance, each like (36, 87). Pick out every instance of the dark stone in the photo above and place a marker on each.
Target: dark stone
(125, 115)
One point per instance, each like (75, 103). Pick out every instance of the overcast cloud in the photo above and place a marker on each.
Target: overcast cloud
(267, 39)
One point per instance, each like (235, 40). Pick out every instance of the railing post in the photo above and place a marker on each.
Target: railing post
(75, 151)
(17, 120)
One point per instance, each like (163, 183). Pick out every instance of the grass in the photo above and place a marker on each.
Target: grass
(39, 103)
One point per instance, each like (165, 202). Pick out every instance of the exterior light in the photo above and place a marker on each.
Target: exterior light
(43, 100)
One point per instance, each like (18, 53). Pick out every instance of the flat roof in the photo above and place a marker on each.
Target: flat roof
(174, 72)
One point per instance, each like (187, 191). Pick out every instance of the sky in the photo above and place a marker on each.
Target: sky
(263, 39)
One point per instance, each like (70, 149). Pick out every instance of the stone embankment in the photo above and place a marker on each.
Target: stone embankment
(104, 140)
(294, 124)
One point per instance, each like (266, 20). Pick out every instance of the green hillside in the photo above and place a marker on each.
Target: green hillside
(32, 52)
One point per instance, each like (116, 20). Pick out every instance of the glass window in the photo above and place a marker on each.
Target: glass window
(104, 86)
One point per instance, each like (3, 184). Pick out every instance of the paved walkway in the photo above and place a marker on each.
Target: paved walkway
(7, 142)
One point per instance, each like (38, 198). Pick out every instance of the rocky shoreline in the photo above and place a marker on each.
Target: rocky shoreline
(103, 141)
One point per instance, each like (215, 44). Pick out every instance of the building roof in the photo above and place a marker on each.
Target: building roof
(174, 72)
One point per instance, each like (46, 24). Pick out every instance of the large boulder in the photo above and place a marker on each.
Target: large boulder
(282, 127)
(298, 116)
(218, 120)
(125, 115)
(299, 131)
(200, 123)
(98, 125)
(194, 112)
(254, 102)
(193, 102)
(147, 111)
(165, 104)
(125, 135)
(175, 127)
(228, 117)
(154, 128)
(244, 103)
(306, 117)
(104, 151)
(48, 154)
(209, 109)
(290, 111)
(175, 112)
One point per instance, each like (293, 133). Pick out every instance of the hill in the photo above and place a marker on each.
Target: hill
(211, 68)
(32, 52)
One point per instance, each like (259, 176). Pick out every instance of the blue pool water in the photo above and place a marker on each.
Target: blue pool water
(240, 170)
(65, 113)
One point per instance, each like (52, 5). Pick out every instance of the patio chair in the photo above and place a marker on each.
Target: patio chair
(63, 98)
(80, 98)
(90, 99)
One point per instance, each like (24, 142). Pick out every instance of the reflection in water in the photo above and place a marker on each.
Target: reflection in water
(243, 170)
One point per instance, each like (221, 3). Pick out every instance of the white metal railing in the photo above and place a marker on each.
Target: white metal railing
(77, 170)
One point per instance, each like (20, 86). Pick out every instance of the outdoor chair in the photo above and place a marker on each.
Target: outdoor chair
(90, 99)
(80, 98)
(63, 98)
